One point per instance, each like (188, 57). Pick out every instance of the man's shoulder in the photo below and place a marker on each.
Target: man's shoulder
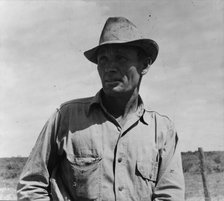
(157, 115)
(165, 129)
(160, 119)
(77, 103)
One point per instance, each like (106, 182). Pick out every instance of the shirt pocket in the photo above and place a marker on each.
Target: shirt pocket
(86, 176)
(148, 169)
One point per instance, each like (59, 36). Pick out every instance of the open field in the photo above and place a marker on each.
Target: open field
(194, 186)
(10, 169)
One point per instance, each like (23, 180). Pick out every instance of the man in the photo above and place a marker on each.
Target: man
(108, 147)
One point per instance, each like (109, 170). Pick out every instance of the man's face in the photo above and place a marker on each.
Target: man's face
(119, 68)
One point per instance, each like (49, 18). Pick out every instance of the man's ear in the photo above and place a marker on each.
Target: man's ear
(146, 65)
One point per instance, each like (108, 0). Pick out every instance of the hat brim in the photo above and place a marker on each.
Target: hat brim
(149, 46)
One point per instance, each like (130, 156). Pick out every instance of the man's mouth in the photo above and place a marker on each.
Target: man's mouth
(112, 80)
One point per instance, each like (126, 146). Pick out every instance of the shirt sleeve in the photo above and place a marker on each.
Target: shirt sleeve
(170, 182)
(34, 180)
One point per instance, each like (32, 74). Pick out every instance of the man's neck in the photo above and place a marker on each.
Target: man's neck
(121, 106)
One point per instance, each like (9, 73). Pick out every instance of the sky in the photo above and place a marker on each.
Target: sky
(42, 64)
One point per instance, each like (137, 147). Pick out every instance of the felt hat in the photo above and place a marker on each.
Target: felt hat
(119, 30)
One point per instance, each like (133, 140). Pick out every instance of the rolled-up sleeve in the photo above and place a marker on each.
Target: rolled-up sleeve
(170, 184)
(34, 180)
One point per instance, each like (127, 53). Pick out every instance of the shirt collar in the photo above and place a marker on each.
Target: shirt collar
(141, 111)
(97, 101)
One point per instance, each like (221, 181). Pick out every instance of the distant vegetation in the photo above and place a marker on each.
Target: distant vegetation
(214, 162)
(10, 168)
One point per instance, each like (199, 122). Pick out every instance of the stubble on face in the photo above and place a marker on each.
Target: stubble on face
(120, 69)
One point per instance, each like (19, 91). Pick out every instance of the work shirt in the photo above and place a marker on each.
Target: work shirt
(83, 153)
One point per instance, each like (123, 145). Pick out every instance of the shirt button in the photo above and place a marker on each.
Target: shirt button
(119, 160)
(121, 188)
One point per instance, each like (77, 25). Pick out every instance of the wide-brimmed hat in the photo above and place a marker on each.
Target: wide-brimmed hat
(119, 30)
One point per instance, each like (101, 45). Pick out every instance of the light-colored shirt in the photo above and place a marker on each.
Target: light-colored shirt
(83, 153)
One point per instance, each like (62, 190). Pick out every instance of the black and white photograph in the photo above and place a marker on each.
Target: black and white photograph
(112, 100)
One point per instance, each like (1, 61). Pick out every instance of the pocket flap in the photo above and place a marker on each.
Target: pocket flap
(86, 161)
(83, 161)
(148, 169)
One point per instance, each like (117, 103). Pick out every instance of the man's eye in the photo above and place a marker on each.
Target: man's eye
(102, 60)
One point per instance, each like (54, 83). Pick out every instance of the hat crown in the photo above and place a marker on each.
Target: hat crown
(119, 29)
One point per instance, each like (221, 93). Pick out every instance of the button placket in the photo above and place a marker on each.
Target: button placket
(120, 168)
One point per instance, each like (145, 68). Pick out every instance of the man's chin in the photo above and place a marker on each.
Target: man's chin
(114, 92)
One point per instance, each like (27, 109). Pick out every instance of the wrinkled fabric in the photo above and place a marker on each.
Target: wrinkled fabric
(83, 153)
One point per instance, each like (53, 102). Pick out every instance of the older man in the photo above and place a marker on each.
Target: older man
(108, 147)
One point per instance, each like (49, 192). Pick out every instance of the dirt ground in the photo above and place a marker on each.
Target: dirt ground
(194, 187)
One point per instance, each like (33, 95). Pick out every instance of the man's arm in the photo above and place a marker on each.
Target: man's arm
(34, 179)
(170, 184)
